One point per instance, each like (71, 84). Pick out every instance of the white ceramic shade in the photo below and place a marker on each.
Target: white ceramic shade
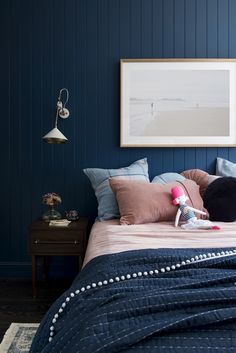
(55, 136)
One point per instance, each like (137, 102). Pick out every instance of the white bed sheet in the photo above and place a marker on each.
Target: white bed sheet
(110, 237)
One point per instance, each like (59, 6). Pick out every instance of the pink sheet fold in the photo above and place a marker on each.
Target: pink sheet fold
(110, 237)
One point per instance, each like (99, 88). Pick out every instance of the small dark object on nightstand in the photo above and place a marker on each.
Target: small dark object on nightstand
(72, 215)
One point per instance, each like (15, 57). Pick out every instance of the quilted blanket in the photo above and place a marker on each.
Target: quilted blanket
(165, 300)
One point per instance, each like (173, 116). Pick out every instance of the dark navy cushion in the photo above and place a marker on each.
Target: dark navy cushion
(220, 199)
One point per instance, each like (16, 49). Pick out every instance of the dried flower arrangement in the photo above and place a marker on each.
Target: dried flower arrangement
(51, 199)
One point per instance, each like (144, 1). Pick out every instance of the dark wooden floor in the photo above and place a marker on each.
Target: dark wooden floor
(18, 305)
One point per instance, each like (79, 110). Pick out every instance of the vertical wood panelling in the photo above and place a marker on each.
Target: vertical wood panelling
(212, 28)
(190, 29)
(92, 78)
(157, 28)
(135, 28)
(81, 142)
(103, 36)
(147, 26)
(201, 28)
(232, 26)
(179, 29)
(25, 96)
(15, 136)
(38, 104)
(5, 91)
(211, 155)
(190, 158)
(223, 152)
(168, 28)
(232, 155)
(168, 160)
(223, 28)
(77, 44)
(200, 155)
(179, 159)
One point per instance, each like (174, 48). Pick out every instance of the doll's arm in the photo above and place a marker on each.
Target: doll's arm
(177, 217)
(197, 211)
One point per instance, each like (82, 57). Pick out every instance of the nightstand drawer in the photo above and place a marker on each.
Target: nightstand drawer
(57, 248)
(57, 236)
(56, 242)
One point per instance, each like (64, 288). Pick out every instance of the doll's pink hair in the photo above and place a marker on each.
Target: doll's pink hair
(176, 192)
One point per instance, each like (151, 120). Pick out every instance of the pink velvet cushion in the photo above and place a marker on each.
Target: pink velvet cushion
(141, 202)
(199, 176)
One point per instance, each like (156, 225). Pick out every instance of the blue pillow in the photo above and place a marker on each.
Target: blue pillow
(225, 167)
(99, 178)
(168, 178)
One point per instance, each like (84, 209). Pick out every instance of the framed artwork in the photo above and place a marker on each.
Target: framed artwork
(178, 102)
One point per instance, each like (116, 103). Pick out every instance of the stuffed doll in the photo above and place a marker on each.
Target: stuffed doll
(188, 213)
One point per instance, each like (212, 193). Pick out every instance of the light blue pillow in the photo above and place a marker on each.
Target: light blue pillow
(225, 167)
(168, 178)
(99, 178)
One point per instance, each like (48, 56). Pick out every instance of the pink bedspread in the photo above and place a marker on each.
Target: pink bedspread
(110, 237)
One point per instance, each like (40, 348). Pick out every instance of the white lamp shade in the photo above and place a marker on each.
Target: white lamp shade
(55, 136)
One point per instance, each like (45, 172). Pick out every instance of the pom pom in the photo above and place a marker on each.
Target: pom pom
(215, 228)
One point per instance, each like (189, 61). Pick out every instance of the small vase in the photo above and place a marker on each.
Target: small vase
(51, 214)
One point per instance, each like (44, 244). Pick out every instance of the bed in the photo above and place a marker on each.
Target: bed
(148, 288)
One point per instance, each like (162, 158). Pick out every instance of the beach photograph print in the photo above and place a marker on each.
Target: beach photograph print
(179, 103)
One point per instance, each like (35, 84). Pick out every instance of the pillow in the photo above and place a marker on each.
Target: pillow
(200, 177)
(99, 178)
(225, 167)
(212, 178)
(168, 178)
(220, 199)
(141, 202)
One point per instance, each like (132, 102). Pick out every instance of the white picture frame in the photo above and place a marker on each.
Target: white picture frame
(178, 103)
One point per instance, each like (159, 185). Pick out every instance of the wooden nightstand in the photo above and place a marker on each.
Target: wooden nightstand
(45, 240)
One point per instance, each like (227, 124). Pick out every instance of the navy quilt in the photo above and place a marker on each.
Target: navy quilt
(164, 300)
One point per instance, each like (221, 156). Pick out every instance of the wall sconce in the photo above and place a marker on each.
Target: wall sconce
(55, 135)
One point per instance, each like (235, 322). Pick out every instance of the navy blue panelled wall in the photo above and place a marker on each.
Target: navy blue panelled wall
(50, 44)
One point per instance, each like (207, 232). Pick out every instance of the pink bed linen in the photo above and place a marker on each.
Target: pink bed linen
(110, 237)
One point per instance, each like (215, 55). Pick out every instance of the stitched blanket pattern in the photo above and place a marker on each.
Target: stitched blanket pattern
(160, 300)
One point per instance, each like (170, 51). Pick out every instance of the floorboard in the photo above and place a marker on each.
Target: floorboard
(18, 305)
